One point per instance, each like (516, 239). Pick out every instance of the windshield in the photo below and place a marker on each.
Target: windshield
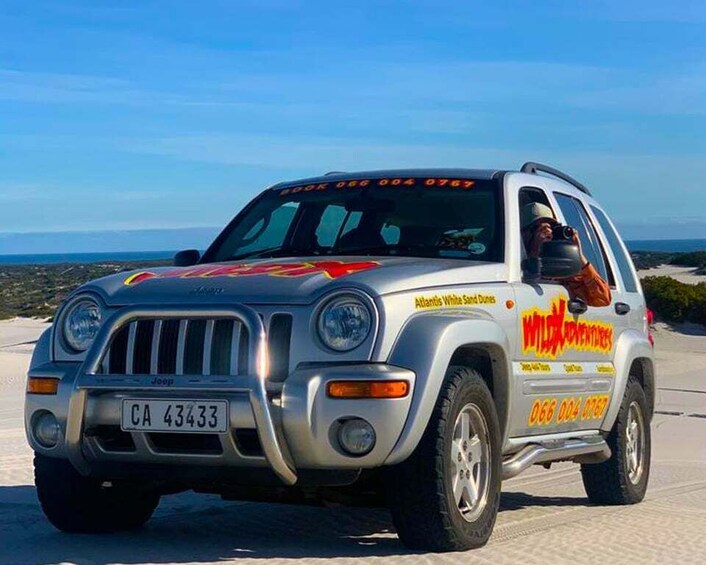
(412, 217)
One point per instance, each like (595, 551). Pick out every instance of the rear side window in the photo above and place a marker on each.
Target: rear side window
(577, 218)
(624, 263)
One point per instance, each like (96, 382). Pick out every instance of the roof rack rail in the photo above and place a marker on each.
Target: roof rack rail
(334, 173)
(534, 168)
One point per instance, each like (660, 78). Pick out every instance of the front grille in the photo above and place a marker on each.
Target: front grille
(179, 347)
(112, 438)
(204, 444)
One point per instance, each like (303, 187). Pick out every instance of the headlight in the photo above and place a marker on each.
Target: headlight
(81, 323)
(344, 323)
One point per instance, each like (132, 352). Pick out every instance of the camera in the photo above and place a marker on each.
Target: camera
(563, 233)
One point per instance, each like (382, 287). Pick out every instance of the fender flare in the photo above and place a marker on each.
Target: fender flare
(631, 345)
(426, 346)
(42, 353)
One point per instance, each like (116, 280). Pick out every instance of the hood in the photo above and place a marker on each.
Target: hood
(288, 281)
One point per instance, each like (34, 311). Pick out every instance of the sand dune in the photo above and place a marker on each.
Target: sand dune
(682, 274)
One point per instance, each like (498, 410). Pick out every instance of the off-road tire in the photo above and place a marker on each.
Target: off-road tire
(608, 482)
(77, 504)
(420, 494)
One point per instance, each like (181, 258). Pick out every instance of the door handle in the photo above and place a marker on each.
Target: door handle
(621, 308)
(577, 306)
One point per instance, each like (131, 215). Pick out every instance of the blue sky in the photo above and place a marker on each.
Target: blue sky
(133, 115)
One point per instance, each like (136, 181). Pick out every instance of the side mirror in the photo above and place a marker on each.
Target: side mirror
(560, 259)
(187, 258)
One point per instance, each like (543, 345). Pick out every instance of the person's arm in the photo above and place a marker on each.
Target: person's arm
(590, 287)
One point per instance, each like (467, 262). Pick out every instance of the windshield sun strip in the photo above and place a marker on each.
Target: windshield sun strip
(397, 182)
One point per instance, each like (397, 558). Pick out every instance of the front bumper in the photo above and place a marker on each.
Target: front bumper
(293, 422)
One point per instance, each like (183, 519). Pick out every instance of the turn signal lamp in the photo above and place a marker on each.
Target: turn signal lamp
(42, 385)
(367, 389)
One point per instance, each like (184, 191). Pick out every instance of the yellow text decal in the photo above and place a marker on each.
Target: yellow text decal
(453, 300)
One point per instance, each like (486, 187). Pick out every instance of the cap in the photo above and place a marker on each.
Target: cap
(534, 211)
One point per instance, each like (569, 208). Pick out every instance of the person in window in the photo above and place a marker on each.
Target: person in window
(537, 221)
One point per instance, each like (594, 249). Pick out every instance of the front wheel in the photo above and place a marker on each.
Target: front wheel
(445, 497)
(623, 478)
(78, 504)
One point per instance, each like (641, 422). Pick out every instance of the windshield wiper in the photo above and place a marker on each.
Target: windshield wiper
(370, 249)
(260, 253)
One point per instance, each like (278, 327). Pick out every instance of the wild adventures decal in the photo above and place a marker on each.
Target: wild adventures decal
(330, 269)
(549, 333)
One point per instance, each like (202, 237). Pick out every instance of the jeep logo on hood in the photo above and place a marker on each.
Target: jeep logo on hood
(330, 269)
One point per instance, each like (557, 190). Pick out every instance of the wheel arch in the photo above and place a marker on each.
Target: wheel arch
(642, 368)
(634, 356)
(42, 352)
(490, 361)
(432, 342)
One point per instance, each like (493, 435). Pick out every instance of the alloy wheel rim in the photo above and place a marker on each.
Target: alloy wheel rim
(470, 462)
(635, 443)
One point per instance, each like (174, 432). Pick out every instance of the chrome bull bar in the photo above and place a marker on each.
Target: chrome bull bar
(253, 383)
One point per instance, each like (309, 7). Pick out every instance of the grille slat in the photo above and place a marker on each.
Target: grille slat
(154, 354)
(217, 347)
(207, 341)
(130, 355)
(181, 346)
(235, 348)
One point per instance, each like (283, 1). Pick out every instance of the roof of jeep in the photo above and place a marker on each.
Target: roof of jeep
(475, 174)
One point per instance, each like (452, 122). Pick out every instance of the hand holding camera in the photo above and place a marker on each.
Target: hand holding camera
(564, 233)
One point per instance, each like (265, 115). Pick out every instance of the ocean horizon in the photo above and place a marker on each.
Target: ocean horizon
(74, 258)
(666, 245)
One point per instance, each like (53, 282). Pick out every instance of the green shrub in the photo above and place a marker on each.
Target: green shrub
(692, 259)
(674, 301)
(37, 290)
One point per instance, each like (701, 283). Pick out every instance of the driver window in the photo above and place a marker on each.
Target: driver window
(530, 195)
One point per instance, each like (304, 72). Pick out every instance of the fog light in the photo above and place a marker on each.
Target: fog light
(47, 430)
(356, 437)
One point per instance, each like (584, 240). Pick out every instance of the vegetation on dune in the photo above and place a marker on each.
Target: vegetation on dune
(37, 290)
(651, 259)
(673, 301)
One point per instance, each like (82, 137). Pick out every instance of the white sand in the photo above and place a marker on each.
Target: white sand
(544, 515)
(682, 274)
(17, 339)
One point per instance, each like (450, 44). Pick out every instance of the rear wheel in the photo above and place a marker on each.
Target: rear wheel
(623, 478)
(445, 496)
(77, 504)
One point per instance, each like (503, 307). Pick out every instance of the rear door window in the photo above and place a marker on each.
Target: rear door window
(576, 217)
(624, 263)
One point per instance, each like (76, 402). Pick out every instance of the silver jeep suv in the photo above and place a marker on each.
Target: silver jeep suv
(368, 337)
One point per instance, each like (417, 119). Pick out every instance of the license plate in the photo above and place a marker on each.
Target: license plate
(193, 416)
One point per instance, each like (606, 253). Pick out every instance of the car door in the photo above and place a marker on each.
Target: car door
(564, 361)
(631, 304)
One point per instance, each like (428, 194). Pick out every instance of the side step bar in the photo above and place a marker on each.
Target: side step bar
(585, 450)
